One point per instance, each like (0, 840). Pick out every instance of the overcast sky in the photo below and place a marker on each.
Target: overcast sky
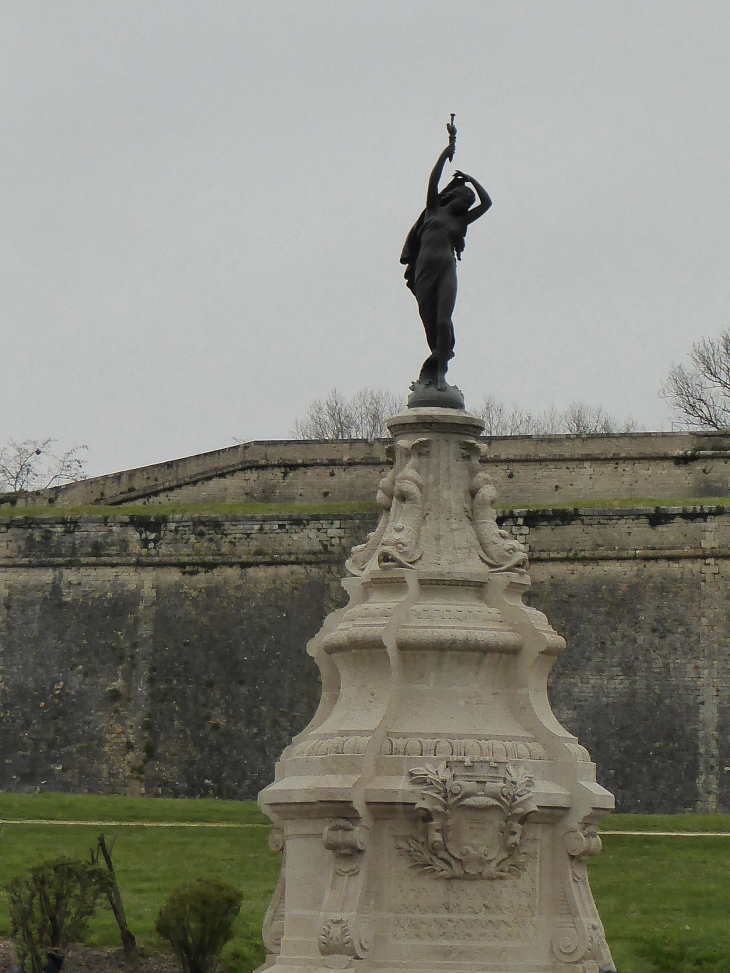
(203, 204)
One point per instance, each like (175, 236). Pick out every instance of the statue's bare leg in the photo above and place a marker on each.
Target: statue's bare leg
(445, 327)
(443, 364)
(427, 296)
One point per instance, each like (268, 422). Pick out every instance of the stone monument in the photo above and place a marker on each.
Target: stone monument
(434, 815)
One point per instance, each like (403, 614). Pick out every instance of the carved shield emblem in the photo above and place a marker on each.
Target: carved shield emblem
(473, 821)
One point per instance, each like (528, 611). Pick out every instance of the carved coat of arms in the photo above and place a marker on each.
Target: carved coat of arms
(473, 822)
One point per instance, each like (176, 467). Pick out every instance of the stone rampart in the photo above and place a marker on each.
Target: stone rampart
(163, 653)
(525, 469)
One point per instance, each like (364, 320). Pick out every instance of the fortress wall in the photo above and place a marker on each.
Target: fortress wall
(306, 483)
(525, 479)
(165, 653)
(526, 470)
(518, 479)
(160, 655)
(645, 679)
(246, 472)
(641, 598)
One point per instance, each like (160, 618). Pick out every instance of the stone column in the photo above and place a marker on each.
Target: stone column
(434, 815)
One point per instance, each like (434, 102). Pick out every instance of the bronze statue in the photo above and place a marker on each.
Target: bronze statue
(430, 253)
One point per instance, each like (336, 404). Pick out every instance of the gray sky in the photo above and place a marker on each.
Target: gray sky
(203, 205)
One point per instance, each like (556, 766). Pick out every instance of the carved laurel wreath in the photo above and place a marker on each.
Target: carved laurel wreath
(441, 794)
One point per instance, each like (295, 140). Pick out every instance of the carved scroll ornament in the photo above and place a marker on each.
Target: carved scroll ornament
(347, 840)
(361, 555)
(500, 551)
(584, 843)
(273, 926)
(400, 546)
(442, 851)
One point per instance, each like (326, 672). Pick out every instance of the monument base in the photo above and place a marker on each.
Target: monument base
(434, 815)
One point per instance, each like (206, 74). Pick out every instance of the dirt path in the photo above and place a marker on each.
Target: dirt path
(225, 824)
(83, 959)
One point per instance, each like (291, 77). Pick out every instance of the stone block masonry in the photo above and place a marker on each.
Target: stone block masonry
(144, 655)
(525, 469)
(164, 653)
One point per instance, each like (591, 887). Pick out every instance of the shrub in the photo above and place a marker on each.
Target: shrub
(197, 921)
(50, 907)
(248, 953)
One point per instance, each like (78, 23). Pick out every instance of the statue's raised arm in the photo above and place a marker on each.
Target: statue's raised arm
(434, 244)
(432, 193)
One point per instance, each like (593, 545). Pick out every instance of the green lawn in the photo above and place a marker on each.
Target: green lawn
(665, 901)
(89, 807)
(149, 861)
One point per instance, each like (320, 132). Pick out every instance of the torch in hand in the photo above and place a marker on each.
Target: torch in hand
(451, 129)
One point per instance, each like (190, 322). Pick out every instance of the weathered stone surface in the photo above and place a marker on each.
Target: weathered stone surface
(629, 678)
(156, 685)
(83, 591)
(434, 812)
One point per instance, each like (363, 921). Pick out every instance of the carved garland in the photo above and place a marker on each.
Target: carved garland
(442, 795)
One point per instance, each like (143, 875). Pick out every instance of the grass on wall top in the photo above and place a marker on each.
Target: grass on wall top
(164, 510)
(330, 508)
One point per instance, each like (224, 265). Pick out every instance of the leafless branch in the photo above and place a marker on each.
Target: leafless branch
(364, 416)
(700, 394)
(578, 418)
(30, 465)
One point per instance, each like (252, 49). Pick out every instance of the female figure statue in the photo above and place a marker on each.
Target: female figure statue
(430, 253)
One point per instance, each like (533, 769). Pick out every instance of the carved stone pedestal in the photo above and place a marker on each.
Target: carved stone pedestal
(435, 815)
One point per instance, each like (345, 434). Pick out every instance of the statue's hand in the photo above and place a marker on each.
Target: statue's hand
(451, 129)
(462, 175)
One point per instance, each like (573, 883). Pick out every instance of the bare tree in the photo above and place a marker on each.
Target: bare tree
(30, 465)
(700, 394)
(364, 416)
(551, 422)
(587, 420)
(498, 421)
(578, 418)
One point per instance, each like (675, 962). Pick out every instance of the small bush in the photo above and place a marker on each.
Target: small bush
(197, 921)
(50, 907)
(247, 953)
